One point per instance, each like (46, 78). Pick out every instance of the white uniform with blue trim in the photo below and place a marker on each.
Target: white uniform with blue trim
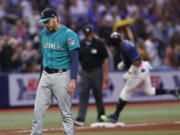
(141, 77)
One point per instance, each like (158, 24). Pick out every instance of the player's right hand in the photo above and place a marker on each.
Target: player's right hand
(120, 65)
(126, 76)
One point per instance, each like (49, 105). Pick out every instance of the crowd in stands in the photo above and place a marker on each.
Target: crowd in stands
(154, 25)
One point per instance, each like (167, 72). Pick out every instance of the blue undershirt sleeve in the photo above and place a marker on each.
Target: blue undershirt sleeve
(74, 54)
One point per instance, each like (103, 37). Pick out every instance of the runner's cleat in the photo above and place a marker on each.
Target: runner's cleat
(111, 118)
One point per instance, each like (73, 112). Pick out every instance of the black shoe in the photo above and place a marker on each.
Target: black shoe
(79, 122)
(112, 118)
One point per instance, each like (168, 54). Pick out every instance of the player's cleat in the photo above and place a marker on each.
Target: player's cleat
(78, 123)
(100, 119)
(111, 118)
(177, 93)
(104, 117)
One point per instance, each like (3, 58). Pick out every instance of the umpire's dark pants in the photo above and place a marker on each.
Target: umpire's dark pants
(90, 80)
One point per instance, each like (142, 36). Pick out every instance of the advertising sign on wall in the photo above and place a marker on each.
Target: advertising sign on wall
(22, 88)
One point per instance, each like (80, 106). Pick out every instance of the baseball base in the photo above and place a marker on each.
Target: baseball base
(107, 124)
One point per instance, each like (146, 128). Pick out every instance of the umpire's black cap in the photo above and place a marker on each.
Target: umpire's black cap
(47, 14)
(88, 29)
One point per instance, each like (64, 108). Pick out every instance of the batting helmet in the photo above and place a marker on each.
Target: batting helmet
(115, 39)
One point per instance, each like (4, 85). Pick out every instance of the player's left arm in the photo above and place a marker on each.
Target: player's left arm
(73, 45)
(136, 61)
(134, 57)
(74, 54)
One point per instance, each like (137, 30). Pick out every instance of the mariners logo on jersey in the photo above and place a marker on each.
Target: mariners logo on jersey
(52, 46)
(71, 41)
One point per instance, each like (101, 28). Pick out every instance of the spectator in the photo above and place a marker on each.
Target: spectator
(16, 58)
(177, 50)
(29, 54)
(166, 65)
(170, 52)
(152, 51)
(5, 55)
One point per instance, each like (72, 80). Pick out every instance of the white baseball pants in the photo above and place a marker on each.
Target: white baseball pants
(53, 85)
(142, 78)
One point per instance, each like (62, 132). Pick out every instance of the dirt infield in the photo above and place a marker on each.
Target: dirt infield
(130, 127)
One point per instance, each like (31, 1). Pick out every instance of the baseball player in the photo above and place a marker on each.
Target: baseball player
(59, 47)
(138, 74)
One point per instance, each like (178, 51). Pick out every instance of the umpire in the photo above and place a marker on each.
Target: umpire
(92, 56)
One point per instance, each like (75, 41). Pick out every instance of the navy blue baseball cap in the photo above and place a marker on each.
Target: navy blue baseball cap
(47, 14)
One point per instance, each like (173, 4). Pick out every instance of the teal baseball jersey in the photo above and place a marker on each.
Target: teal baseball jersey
(55, 47)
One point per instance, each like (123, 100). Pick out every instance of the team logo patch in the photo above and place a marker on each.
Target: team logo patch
(71, 42)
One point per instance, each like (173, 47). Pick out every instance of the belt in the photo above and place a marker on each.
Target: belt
(51, 71)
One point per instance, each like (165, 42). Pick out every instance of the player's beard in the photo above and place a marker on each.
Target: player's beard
(52, 28)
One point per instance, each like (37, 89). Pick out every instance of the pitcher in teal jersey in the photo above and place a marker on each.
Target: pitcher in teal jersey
(59, 47)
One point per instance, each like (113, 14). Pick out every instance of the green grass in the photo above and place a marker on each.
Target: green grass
(154, 113)
(129, 114)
